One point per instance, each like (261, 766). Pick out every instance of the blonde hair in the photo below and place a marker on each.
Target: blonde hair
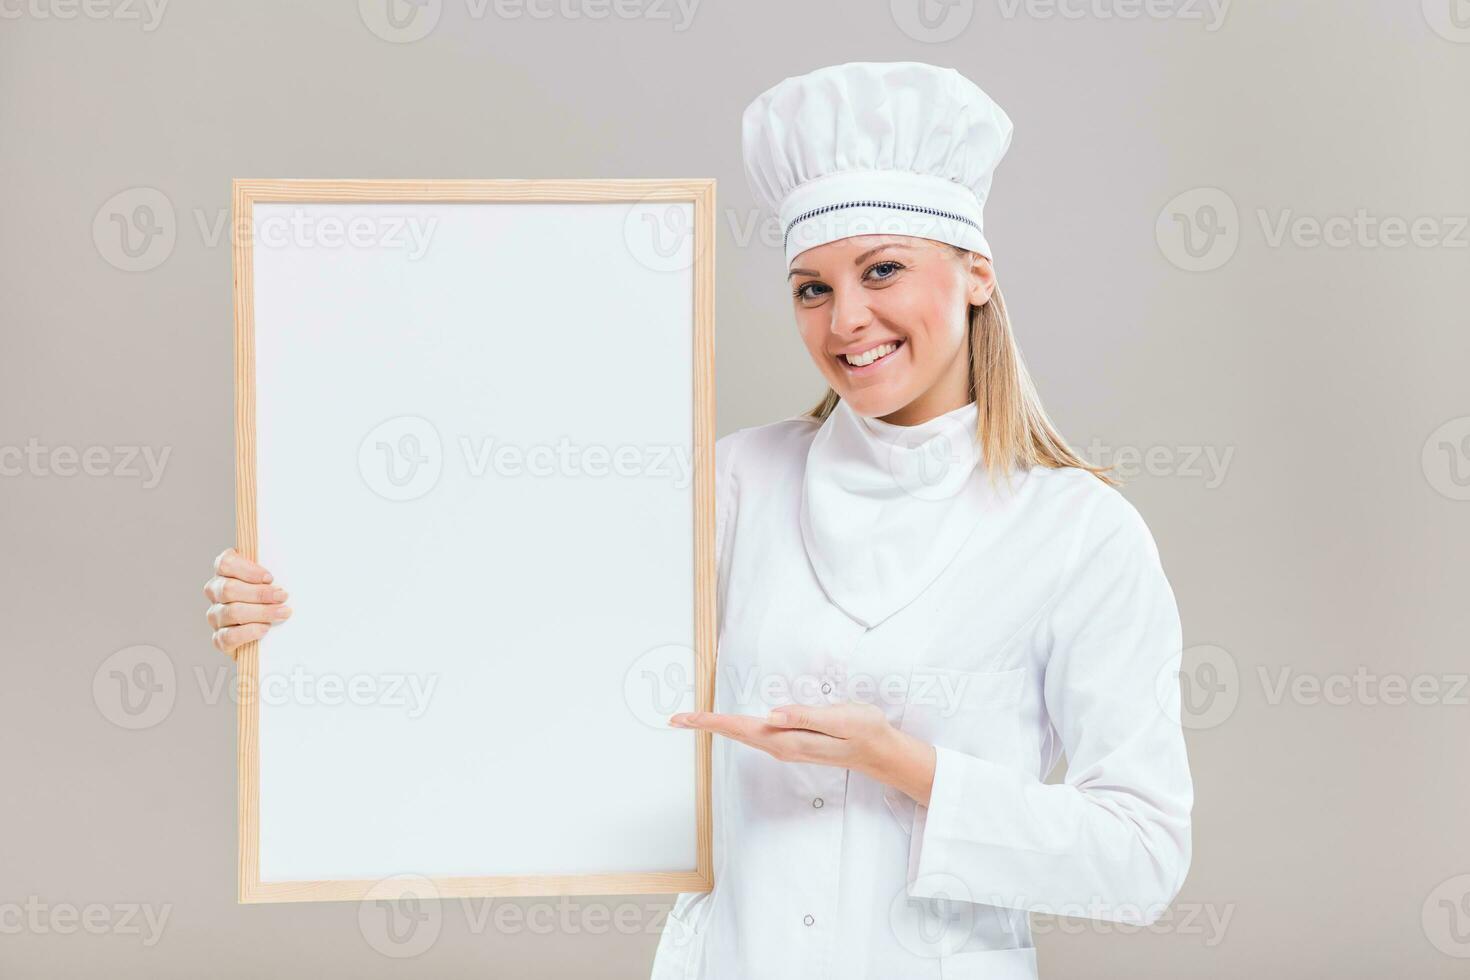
(1013, 429)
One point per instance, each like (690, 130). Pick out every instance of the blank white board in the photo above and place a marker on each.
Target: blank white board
(475, 424)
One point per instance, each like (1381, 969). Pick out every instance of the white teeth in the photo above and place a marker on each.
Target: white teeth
(869, 356)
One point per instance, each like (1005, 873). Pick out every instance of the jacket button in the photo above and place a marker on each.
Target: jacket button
(808, 920)
(818, 803)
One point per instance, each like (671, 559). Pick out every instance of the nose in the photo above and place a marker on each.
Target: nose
(850, 314)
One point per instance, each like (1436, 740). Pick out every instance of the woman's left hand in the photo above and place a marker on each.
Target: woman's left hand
(853, 736)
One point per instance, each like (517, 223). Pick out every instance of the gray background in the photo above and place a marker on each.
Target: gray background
(1325, 545)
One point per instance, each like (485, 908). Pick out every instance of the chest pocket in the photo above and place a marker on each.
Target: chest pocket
(974, 712)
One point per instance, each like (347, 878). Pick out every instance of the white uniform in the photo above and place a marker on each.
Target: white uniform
(1003, 627)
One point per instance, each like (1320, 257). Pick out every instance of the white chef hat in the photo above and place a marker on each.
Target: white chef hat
(875, 148)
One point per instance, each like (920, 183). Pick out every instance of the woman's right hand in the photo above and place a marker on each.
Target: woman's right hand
(246, 603)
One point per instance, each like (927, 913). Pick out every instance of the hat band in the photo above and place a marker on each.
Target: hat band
(891, 205)
(881, 202)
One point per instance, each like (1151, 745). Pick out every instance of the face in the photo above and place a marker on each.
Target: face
(886, 320)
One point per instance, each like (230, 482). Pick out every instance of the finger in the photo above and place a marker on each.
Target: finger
(793, 745)
(788, 745)
(232, 564)
(800, 745)
(829, 719)
(725, 729)
(222, 589)
(231, 638)
(223, 614)
(735, 726)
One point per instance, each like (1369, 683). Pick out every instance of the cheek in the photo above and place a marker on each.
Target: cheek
(813, 331)
(931, 325)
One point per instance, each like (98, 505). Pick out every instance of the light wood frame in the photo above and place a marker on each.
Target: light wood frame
(701, 193)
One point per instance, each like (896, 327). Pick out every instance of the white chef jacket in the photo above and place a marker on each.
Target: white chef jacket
(1052, 630)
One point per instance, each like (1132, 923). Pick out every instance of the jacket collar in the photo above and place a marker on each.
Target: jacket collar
(886, 508)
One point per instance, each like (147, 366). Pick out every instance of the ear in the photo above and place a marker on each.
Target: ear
(980, 276)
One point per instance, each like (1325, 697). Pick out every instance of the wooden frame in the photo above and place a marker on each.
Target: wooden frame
(701, 193)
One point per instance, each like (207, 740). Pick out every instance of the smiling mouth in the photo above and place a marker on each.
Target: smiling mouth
(871, 358)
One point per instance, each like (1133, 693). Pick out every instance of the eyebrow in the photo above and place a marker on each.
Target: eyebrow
(857, 261)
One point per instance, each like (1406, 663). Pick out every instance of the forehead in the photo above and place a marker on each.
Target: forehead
(845, 250)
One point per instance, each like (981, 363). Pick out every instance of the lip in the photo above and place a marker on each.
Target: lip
(876, 366)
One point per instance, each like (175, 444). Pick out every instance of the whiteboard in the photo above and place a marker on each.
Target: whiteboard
(475, 434)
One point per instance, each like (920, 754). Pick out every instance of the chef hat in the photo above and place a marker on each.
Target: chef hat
(875, 148)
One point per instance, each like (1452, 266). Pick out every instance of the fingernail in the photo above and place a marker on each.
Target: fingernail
(283, 612)
(279, 595)
(776, 717)
(269, 578)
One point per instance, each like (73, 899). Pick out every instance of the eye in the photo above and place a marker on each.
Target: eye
(803, 293)
(891, 266)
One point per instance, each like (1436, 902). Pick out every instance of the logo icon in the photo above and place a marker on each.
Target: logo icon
(400, 21)
(1450, 19)
(401, 916)
(1199, 230)
(135, 688)
(660, 683)
(938, 925)
(1446, 459)
(1204, 691)
(660, 234)
(1446, 917)
(938, 467)
(401, 459)
(135, 229)
(932, 21)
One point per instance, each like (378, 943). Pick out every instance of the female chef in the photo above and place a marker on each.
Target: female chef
(925, 597)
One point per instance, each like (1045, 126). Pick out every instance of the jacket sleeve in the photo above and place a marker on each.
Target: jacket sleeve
(1113, 841)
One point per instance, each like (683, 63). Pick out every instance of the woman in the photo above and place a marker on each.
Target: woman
(925, 596)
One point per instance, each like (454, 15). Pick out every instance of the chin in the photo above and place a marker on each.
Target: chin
(873, 402)
(878, 386)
